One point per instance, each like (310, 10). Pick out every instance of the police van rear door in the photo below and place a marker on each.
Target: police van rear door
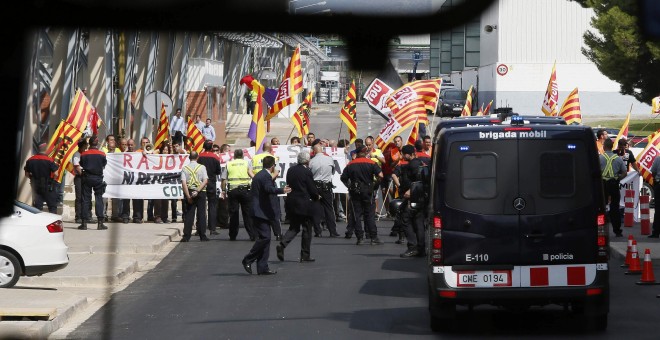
(516, 198)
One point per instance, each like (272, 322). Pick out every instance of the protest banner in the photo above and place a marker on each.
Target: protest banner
(131, 175)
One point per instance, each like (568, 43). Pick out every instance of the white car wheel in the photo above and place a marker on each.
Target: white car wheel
(10, 269)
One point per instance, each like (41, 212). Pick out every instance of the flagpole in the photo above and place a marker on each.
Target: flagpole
(432, 132)
(341, 126)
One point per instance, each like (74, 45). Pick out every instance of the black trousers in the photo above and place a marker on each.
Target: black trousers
(42, 194)
(260, 250)
(363, 210)
(212, 201)
(195, 209)
(240, 198)
(77, 185)
(296, 222)
(325, 211)
(223, 213)
(613, 195)
(138, 209)
(413, 226)
(94, 182)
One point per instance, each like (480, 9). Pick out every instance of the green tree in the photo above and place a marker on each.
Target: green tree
(620, 50)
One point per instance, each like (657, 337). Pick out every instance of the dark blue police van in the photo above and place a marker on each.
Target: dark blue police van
(517, 220)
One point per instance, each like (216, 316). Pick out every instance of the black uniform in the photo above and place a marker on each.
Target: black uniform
(359, 177)
(213, 170)
(412, 219)
(40, 169)
(93, 162)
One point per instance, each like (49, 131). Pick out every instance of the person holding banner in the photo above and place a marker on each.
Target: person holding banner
(39, 169)
(193, 181)
(92, 162)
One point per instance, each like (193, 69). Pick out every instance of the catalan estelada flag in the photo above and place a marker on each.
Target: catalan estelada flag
(63, 144)
(348, 113)
(571, 108)
(79, 111)
(467, 108)
(291, 85)
(408, 104)
(194, 137)
(549, 106)
(163, 134)
(301, 117)
(257, 132)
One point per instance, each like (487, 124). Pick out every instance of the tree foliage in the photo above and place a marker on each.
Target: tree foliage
(619, 49)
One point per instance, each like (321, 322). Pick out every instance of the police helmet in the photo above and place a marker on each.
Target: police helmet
(395, 206)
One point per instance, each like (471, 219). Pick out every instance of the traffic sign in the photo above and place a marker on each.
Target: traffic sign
(154, 100)
(502, 69)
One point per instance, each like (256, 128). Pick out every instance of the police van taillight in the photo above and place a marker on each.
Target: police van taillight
(602, 238)
(436, 240)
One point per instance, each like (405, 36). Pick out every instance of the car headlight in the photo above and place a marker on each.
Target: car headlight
(445, 105)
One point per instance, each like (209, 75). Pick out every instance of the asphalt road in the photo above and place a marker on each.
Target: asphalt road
(200, 291)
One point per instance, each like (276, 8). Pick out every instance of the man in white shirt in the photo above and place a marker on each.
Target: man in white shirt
(208, 131)
(178, 125)
(198, 122)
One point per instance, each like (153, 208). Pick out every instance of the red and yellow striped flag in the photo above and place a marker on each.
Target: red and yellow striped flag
(301, 117)
(408, 104)
(487, 109)
(467, 108)
(481, 110)
(571, 108)
(551, 97)
(63, 144)
(348, 113)
(623, 132)
(163, 134)
(647, 156)
(194, 139)
(79, 111)
(291, 85)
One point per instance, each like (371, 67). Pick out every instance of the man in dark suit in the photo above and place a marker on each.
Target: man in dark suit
(264, 213)
(299, 207)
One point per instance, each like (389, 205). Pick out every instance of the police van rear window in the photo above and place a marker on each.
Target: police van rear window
(482, 175)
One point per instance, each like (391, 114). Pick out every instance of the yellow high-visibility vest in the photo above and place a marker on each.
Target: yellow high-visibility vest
(237, 173)
(608, 172)
(258, 161)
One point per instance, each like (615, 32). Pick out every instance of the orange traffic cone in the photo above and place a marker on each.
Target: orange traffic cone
(626, 263)
(635, 267)
(647, 273)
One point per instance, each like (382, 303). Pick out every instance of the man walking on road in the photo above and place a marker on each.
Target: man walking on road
(212, 163)
(238, 177)
(300, 207)
(264, 198)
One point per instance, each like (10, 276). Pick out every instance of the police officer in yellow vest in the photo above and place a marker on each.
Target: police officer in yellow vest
(613, 169)
(237, 180)
(194, 179)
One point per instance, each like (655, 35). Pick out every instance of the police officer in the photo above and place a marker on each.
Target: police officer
(412, 218)
(238, 177)
(212, 163)
(322, 167)
(92, 162)
(40, 170)
(193, 182)
(613, 169)
(358, 176)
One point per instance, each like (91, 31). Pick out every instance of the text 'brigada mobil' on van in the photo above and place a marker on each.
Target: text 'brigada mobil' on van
(518, 218)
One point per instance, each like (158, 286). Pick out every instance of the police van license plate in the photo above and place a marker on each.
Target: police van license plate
(458, 109)
(496, 278)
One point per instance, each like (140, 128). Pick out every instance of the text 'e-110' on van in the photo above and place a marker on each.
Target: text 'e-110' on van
(518, 220)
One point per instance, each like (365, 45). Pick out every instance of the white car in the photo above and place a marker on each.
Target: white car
(31, 243)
